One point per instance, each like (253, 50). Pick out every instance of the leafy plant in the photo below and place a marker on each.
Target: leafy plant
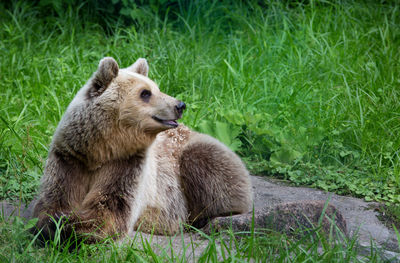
(224, 132)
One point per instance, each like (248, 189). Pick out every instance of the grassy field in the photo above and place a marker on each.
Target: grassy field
(16, 245)
(309, 93)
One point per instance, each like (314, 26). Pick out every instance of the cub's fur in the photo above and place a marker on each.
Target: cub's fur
(119, 161)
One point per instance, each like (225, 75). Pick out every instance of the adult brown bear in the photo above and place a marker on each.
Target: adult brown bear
(119, 160)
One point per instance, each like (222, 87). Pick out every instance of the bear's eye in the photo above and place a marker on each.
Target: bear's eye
(145, 95)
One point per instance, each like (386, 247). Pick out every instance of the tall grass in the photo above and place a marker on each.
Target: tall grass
(304, 91)
(314, 84)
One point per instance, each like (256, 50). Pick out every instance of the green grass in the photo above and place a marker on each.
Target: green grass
(17, 245)
(307, 92)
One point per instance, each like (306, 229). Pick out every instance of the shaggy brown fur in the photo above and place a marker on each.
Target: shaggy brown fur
(117, 164)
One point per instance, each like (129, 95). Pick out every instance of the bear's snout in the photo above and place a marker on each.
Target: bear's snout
(180, 107)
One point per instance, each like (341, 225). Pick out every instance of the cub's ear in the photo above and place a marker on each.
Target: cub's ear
(140, 66)
(106, 72)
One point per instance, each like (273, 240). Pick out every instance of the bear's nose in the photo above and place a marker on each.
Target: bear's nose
(180, 107)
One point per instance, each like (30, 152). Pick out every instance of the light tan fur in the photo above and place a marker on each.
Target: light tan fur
(117, 163)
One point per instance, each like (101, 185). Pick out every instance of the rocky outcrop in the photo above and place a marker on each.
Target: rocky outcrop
(293, 218)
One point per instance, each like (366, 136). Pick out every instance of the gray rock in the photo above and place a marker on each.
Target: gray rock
(293, 218)
(361, 219)
(15, 209)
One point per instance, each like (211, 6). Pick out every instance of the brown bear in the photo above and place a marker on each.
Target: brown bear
(119, 161)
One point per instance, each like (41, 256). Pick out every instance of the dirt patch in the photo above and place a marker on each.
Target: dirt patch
(389, 215)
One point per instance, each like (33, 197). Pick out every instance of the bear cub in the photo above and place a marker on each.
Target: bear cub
(119, 161)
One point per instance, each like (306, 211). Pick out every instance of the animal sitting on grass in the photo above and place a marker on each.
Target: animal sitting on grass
(119, 161)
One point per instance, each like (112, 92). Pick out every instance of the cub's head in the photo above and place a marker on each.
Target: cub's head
(117, 113)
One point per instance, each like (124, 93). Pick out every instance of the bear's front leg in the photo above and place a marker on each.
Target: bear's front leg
(100, 216)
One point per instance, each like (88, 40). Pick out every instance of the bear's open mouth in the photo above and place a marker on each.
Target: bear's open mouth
(171, 123)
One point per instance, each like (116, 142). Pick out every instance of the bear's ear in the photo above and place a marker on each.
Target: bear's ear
(140, 66)
(106, 72)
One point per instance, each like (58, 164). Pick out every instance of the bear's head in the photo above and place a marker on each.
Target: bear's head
(116, 114)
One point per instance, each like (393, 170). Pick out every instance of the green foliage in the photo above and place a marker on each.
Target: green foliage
(304, 91)
(223, 132)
